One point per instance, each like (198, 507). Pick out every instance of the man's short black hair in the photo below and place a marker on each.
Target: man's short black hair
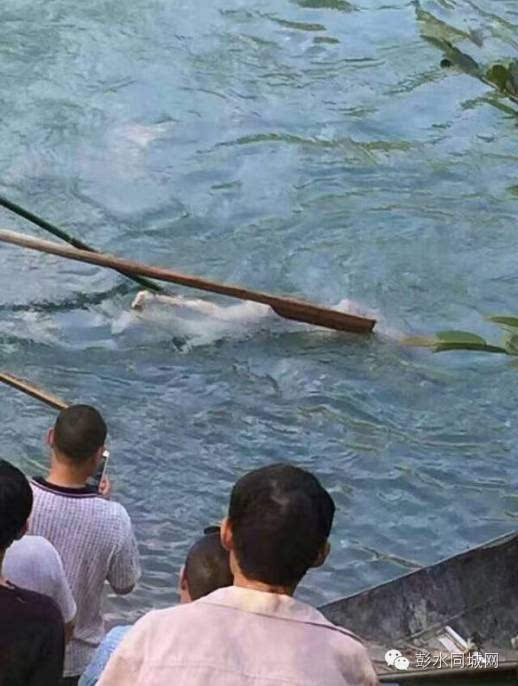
(15, 503)
(79, 432)
(207, 566)
(281, 518)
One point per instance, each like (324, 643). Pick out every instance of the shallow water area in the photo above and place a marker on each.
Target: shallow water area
(308, 148)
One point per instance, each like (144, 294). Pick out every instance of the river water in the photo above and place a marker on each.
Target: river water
(314, 148)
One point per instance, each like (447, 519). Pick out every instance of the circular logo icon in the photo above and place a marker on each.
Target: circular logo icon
(391, 656)
(401, 662)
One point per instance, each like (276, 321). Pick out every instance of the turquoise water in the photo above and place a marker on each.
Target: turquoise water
(314, 148)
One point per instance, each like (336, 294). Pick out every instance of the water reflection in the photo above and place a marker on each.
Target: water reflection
(225, 141)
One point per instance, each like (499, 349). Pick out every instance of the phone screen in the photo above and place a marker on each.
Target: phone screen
(95, 480)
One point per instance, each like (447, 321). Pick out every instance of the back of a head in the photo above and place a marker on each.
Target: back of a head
(79, 432)
(281, 518)
(207, 566)
(15, 503)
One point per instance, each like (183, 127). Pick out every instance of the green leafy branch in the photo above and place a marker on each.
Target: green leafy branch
(464, 340)
(503, 77)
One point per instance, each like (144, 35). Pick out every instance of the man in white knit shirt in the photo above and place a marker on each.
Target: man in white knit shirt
(93, 535)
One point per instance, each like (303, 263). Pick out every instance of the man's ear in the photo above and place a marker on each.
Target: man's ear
(225, 534)
(184, 584)
(183, 587)
(50, 438)
(322, 555)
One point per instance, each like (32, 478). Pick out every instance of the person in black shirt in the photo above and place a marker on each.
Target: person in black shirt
(32, 632)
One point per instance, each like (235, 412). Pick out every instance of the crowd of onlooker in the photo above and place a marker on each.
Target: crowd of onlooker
(237, 624)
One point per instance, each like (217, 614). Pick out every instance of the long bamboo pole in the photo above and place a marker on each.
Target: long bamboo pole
(289, 308)
(34, 391)
(55, 231)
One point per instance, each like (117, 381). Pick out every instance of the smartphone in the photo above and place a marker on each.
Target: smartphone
(95, 480)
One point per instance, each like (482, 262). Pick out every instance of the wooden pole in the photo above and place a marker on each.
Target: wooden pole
(54, 230)
(289, 308)
(34, 391)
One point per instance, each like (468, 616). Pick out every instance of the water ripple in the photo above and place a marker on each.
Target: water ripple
(316, 150)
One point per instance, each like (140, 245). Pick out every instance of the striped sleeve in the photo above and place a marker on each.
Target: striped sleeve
(62, 593)
(124, 570)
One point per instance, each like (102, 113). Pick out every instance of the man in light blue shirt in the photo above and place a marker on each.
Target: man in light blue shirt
(33, 563)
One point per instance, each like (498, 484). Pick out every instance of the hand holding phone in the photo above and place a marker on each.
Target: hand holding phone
(99, 481)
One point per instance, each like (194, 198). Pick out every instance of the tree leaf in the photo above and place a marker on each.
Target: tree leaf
(481, 347)
(498, 74)
(504, 321)
(511, 343)
(505, 78)
(460, 59)
(459, 337)
(512, 82)
(421, 341)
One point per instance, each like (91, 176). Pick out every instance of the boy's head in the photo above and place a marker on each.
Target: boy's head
(206, 568)
(278, 524)
(15, 503)
(78, 435)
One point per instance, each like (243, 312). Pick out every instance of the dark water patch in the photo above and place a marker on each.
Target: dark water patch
(79, 302)
(297, 25)
(326, 39)
(340, 5)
